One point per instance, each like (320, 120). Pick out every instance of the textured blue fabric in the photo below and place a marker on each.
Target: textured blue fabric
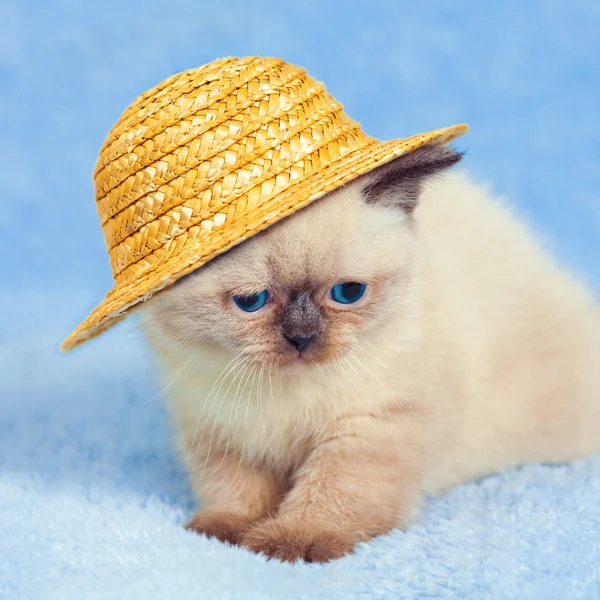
(92, 497)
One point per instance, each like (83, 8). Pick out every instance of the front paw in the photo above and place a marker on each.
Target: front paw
(226, 526)
(291, 541)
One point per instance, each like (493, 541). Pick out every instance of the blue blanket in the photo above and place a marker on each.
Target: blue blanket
(92, 497)
(92, 500)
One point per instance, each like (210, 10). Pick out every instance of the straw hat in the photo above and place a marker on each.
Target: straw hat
(212, 156)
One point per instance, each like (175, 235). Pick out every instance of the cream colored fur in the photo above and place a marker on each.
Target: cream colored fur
(473, 353)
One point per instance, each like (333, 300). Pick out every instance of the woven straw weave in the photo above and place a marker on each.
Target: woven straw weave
(212, 156)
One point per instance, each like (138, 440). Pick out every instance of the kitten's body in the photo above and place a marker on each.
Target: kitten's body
(478, 354)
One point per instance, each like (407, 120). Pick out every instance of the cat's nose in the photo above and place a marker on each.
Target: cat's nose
(301, 343)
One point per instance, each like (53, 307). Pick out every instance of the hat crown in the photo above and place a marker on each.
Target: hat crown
(184, 150)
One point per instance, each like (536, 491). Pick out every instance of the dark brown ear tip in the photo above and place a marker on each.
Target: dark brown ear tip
(461, 152)
(437, 152)
(399, 182)
(430, 160)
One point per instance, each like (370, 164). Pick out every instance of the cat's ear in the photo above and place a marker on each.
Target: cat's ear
(398, 183)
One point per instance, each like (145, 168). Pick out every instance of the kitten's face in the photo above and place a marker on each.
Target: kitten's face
(295, 266)
(311, 289)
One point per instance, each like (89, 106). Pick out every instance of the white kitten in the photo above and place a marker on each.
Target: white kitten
(387, 341)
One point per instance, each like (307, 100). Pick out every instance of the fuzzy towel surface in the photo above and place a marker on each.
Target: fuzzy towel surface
(92, 501)
(92, 497)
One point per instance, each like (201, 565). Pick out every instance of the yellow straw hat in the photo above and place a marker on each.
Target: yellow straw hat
(212, 156)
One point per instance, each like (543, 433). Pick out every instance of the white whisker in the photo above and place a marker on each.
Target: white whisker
(231, 365)
(216, 416)
(171, 382)
(248, 400)
(244, 363)
(262, 420)
(237, 400)
(390, 418)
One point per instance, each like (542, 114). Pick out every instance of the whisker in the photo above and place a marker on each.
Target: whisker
(262, 421)
(243, 364)
(412, 396)
(218, 382)
(216, 416)
(270, 383)
(248, 399)
(171, 382)
(175, 344)
(329, 369)
(235, 406)
(390, 418)
(343, 375)
(349, 364)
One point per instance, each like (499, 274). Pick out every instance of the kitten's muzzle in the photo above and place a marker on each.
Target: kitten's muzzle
(301, 320)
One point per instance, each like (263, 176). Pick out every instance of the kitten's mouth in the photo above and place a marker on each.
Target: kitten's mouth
(295, 360)
(301, 359)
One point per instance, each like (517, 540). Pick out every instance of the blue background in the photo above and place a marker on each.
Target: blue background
(90, 492)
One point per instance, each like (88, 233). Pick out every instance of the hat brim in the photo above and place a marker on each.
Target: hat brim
(186, 253)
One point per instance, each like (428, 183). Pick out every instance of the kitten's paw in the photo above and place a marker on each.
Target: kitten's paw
(291, 541)
(224, 525)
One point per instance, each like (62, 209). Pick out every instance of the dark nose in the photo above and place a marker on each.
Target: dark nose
(301, 343)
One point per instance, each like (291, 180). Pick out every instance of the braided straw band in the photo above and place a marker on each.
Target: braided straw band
(256, 140)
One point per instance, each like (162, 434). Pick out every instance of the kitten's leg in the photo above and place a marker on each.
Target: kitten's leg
(360, 481)
(235, 495)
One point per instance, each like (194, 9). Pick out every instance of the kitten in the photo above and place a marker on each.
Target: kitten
(390, 340)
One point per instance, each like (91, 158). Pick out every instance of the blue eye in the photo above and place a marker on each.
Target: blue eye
(253, 302)
(348, 293)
